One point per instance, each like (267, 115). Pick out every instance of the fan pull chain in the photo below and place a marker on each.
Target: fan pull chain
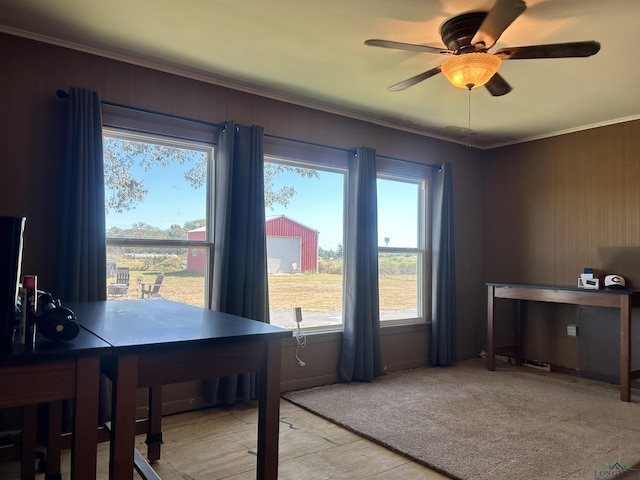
(469, 122)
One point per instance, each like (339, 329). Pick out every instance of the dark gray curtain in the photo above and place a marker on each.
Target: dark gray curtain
(443, 283)
(239, 273)
(360, 356)
(81, 260)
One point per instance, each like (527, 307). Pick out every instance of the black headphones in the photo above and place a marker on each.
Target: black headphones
(56, 322)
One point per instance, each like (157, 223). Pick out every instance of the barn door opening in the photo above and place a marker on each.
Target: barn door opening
(283, 254)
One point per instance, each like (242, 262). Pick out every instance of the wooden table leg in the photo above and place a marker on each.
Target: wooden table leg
(28, 453)
(85, 429)
(54, 441)
(521, 313)
(491, 346)
(123, 418)
(269, 414)
(154, 431)
(625, 348)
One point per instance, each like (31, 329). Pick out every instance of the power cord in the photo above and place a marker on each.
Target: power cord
(300, 338)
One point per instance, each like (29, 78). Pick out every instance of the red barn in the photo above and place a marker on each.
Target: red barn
(196, 256)
(291, 246)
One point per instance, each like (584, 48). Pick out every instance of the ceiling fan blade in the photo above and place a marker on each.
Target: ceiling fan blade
(412, 47)
(554, 50)
(413, 80)
(498, 86)
(501, 15)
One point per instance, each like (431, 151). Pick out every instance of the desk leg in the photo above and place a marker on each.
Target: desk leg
(269, 414)
(85, 429)
(123, 418)
(28, 454)
(54, 441)
(522, 314)
(491, 346)
(154, 431)
(625, 348)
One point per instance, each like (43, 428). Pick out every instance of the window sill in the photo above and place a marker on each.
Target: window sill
(391, 327)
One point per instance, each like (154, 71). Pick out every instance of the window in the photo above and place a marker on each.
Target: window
(157, 214)
(158, 200)
(304, 225)
(305, 214)
(401, 248)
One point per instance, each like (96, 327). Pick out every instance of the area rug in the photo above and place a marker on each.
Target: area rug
(511, 424)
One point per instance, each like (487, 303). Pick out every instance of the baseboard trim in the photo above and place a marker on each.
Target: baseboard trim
(567, 371)
(397, 367)
(309, 382)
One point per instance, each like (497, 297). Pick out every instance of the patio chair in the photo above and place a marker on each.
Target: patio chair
(151, 289)
(121, 285)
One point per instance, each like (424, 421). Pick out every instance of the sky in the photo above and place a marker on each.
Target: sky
(171, 199)
(317, 204)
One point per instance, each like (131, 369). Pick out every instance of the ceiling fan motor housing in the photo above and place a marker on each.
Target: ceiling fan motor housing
(457, 32)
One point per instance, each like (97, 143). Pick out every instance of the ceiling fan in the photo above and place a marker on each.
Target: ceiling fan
(469, 36)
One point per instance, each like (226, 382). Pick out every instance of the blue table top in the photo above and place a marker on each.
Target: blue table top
(159, 322)
(85, 343)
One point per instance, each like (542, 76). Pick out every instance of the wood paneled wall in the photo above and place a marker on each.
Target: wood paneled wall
(555, 206)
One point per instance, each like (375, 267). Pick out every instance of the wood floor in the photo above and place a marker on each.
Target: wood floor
(220, 443)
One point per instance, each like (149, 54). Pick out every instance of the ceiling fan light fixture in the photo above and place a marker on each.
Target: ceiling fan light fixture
(471, 70)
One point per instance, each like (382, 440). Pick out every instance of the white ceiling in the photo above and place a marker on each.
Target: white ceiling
(312, 53)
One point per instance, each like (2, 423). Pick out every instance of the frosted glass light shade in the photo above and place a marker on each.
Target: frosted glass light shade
(470, 70)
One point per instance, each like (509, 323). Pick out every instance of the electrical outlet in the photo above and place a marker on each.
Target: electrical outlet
(572, 330)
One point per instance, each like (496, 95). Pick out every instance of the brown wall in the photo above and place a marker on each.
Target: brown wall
(32, 130)
(555, 206)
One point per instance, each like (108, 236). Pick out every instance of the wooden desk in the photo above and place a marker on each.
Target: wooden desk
(52, 372)
(158, 342)
(625, 300)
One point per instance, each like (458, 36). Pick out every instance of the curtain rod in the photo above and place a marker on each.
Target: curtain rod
(347, 150)
(63, 94)
(313, 144)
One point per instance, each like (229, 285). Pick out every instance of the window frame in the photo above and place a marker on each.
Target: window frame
(423, 274)
(183, 133)
(164, 139)
(332, 167)
(325, 158)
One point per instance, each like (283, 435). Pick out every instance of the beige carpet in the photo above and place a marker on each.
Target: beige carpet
(511, 424)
